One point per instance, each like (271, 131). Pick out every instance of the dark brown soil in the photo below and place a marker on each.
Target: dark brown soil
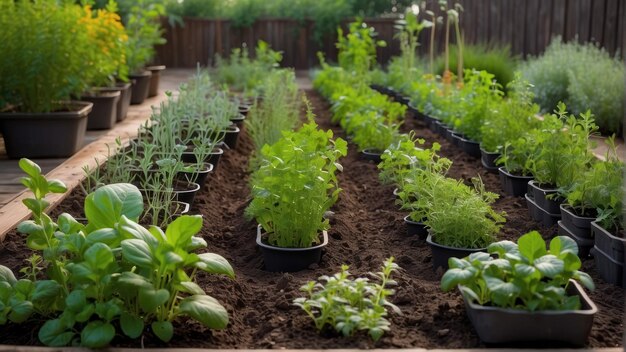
(367, 228)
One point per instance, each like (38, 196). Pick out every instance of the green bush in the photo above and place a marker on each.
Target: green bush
(583, 76)
(43, 49)
(144, 32)
(496, 60)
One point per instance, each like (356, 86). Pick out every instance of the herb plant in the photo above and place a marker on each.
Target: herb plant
(349, 305)
(295, 185)
(524, 276)
(144, 32)
(109, 273)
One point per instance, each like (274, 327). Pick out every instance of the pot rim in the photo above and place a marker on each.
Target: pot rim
(507, 173)
(482, 150)
(593, 309)
(84, 108)
(408, 220)
(429, 240)
(371, 151)
(142, 74)
(259, 236)
(155, 68)
(570, 210)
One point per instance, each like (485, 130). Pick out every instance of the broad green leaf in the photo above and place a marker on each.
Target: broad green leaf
(180, 231)
(29, 167)
(20, 311)
(205, 309)
(55, 334)
(215, 264)
(105, 206)
(479, 256)
(549, 265)
(129, 280)
(532, 245)
(163, 330)
(563, 244)
(196, 242)
(85, 312)
(455, 276)
(502, 247)
(190, 287)
(585, 280)
(137, 252)
(150, 299)
(46, 292)
(131, 325)
(7, 275)
(97, 334)
(108, 236)
(67, 224)
(129, 229)
(99, 256)
(56, 186)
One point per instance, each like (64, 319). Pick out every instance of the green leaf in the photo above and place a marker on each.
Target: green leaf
(137, 252)
(56, 186)
(107, 204)
(129, 229)
(20, 311)
(129, 280)
(584, 279)
(190, 287)
(97, 334)
(76, 300)
(54, 333)
(150, 299)
(131, 325)
(215, 264)
(549, 265)
(29, 167)
(532, 245)
(108, 236)
(205, 309)
(456, 276)
(99, 255)
(6, 275)
(563, 244)
(163, 330)
(46, 292)
(502, 247)
(180, 231)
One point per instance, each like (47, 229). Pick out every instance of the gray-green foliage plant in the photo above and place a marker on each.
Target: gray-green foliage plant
(523, 275)
(110, 276)
(582, 76)
(348, 305)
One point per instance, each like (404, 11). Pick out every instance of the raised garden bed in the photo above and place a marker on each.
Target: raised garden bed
(367, 228)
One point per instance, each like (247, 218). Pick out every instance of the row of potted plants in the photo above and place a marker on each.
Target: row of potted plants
(65, 68)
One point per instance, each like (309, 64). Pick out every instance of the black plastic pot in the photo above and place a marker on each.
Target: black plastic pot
(488, 159)
(238, 120)
(186, 191)
(103, 115)
(201, 176)
(584, 243)
(457, 139)
(442, 253)
(414, 228)
(449, 135)
(153, 89)
(212, 159)
(371, 154)
(540, 195)
(277, 259)
(140, 87)
(45, 135)
(470, 147)
(539, 214)
(244, 110)
(442, 128)
(608, 251)
(414, 112)
(428, 120)
(513, 185)
(124, 102)
(500, 325)
(579, 225)
(231, 136)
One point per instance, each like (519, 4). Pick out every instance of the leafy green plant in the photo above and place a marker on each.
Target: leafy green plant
(373, 131)
(582, 76)
(109, 273)
(42, 65)
(524, 276)
(357, 49)
(349, 305)
(478, 95)
(598, 192)
(459, 216)
(295, 185)
(144, 32)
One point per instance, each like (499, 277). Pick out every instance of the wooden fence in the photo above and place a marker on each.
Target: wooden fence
(527, 26)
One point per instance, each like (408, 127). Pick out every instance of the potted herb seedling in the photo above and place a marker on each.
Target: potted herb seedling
(516, 170)
(41, 67)
(460, 220)
(527, 293)
(593, 193)
(292, 189)
(372, 133)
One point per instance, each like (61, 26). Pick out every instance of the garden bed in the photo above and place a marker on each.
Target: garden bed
(367, 228)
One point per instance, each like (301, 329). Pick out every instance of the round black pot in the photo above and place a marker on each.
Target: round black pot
(244, 110)
(396, 192)
(608, 252)
(579, 225)
(28, 135)
(140, 86)
(104, 113)
(442, 253)
(212, 159)
(277, 259)
(124, 102)
(415, 112)
(153, 89)
(506, 325)
(471, 148)
(540, 195)
(238, 120)
(584, 244)
(405, 99)
(441, 128)
(231, 136)
(457, 139)
(513, 185)
(371, 155)
(186, 192)
(414, 228)
(201, 176)
(488, 159)
(428, 120)
(449, 135)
